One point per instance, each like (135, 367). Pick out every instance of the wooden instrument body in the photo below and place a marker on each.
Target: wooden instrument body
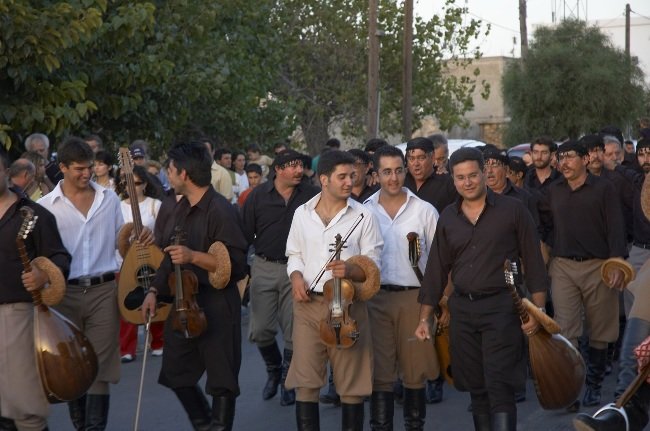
(187, 316)
(136, 275)
(441, 341)
(339, 329)
(66, 359)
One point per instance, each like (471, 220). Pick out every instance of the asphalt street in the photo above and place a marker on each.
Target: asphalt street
(161, 411)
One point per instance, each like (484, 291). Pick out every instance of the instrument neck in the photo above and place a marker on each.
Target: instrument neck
(179, 286)
(135, 205)
(27, 267)
(519, 305)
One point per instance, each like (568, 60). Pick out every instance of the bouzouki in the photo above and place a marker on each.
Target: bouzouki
(66, 360)
(140, 262)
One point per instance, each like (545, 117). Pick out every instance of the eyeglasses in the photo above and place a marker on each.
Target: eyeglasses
(387, 173)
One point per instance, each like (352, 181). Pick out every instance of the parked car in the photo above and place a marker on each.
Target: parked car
(453, 144)
(519, 150)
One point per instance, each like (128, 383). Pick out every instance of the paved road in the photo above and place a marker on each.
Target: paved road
(161, 411)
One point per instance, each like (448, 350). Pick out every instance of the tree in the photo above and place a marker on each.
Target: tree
(573, 81)
(322, 74)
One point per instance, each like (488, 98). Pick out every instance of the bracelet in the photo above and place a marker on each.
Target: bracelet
(152, 290)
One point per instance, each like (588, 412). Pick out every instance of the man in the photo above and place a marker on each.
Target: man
(21, 394)
(629, 147)
(267, 218)
(393, 310)
(360, 188)
(22, 174)
(40, 144)
(239, 171)
(440, 152)
(279, 147)
(488, 342)
(613, 152)
(95, 142)
(254, 153)
(541, 174)
(89, 218)
(140, 154)
(516, 171)
(313, 231)
(588, 227)
(208, 223)
(254, 177)
(436, 189)
(220, 178)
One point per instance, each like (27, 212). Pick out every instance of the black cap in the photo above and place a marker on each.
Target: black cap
(642, 143)
(423, 144)
(572, 145)
(612, 131)
(286, 156)
(495, 154)
(517, 164)
(592, 141)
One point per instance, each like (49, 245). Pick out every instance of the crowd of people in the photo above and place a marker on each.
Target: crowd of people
(354, 258)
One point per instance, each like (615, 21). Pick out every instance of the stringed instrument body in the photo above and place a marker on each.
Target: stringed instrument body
(66, 360)
(140, 262)
(188, 318)
(339, 329)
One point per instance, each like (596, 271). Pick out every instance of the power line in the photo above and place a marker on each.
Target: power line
(637, 13)
(494, 23)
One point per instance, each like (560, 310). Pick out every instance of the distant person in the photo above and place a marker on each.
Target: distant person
(254, 176)
(40, 143)
(279, 147)
(103, 169)
(541, 174)
(440, 152)
(629, 147)
(95, 142)
(220, 178)
(239, 168)
(331, 144)
(255, 155)
(360, 188)
(44, 183)
(140, 154)
(22, 174)
(516, 171)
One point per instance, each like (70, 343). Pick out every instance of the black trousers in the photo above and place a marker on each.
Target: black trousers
(487, 351)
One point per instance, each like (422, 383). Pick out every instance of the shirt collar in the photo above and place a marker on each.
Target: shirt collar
(58, 190)
(490, 198)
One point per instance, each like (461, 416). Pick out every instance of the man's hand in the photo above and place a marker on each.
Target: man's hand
(299, 288)
(616, 278)
(149, 306)
(339, 269)
(180, 254)
(35, 279)
(423, 331)
(146, 237)
(530, 327)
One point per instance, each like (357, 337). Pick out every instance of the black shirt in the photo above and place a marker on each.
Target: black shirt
(438, 190)
(525, 197)
(625, 192)
(587, 222)
(212, 219)
(44, 240)
(641, 225)
(475, 254)
(267, 217)
(532, 183)
(366, 193)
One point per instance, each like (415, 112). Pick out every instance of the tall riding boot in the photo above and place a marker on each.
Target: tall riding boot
(415, 409)
(611, 419)
(504, 421)
(595, 375)
(273, 360)
(434, 390)
(331, 397)
(7, 424)
(96, 412)
(77, 409)
(382, 409)
(307, 418)
(482, 422)
(223, 413)
(287, 396)
(196, 406)
(352, 417)
(636, 330)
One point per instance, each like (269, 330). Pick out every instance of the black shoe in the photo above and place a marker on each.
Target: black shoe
(574, 407)
(382, 410)
(434, 391)
(352, 417)
(223, 413)
(96, 412)
(595, 376)
(287, 396)
(504, 421)
(7, 424)
(195, 405)
(307, 416)
(482, 422)
(415, 409)
(398, 391)
(331, 397)
(607, 420)
(77, 409)
(273, 360)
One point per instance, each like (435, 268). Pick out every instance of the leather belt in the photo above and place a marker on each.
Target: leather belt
(641, 245)
(92, 281)
(475, 296)
(283, 260)
(396, 288)
(578, 258)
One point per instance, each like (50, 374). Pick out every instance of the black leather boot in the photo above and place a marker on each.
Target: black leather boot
(77, 409)
(595, 375)
(96, 412)
(504, 421)
(382, 409)
(331, 397)
(7, 424)
(482, 422)
(287, 396)
(273, 360)
(608, 420)
(307, 418)
(636, 411)
(415, 409)
(223, 413)
(196, 406)
(434, 390)
(352, 417)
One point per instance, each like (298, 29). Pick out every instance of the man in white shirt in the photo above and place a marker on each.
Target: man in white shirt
(309, 247)
(393, 312)
(221, 180)
(89, 218)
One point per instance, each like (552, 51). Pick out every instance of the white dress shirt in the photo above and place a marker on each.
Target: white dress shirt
(90, 239)
(310, 243)
(415, 215)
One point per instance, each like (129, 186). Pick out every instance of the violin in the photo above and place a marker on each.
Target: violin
(187, 317)
(339, 329)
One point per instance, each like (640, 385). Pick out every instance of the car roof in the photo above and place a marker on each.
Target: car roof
(453, 144)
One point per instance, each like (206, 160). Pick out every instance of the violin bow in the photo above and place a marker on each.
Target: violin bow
(144, 365)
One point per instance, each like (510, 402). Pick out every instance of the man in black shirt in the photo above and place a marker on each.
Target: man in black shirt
(360, 188)
(473, 239)
(208, 221)
(587, 224)
(21, 394)
(267, 214)
(541, 174)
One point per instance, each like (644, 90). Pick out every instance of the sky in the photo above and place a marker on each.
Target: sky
(504, 17)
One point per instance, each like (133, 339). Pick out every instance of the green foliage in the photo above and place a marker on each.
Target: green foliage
(572, 82)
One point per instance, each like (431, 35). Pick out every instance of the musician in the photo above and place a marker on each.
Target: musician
(267, 215)
(208, 220)
(313, 230)
(393, 310)
(473, 238)
(360, 189)
(89, 218)
(21, 392)
(587, 223)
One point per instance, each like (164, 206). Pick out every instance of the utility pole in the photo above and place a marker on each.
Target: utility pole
(373, 72)
(523, 29)
(627, 32)
(407, 78)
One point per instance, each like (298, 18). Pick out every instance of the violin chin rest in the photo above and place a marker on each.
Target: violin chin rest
(221, 276)
(53, 293)
(365, 290)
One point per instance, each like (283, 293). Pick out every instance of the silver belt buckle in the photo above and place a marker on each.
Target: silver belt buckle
(85, 282)
(469, 295)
